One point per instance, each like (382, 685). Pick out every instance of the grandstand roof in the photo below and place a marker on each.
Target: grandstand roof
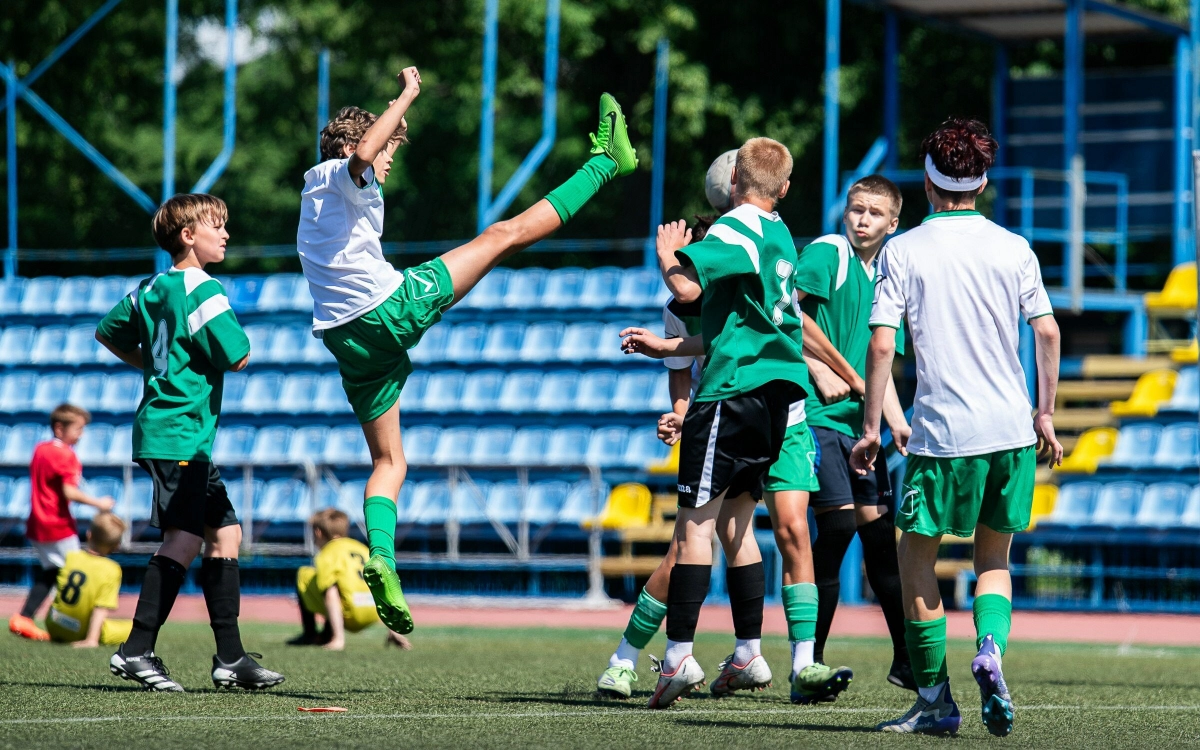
(1028, 20)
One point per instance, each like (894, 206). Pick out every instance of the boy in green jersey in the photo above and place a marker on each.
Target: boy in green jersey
(179, 330)
(835, 285)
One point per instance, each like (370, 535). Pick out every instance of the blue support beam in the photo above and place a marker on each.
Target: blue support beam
(891, 88)
(217, 168)
(491, 210)
(1182, 248)
(1072, 105)
(659, 151)
(871, 162)
(162, 260)
(322, 97)
(1000, 126)
(10, 119)
(833, 57)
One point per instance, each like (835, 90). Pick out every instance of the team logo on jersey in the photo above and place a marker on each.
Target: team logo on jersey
(908, 504)
(423, 283)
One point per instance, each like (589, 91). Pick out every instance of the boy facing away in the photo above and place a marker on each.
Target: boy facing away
(178, 329)
(88, 585)
(54, 477)
(369, 314)
(333, 586)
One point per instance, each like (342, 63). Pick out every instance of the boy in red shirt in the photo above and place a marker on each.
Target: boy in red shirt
(54, 476)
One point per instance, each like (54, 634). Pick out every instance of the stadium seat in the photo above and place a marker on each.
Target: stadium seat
(1191, 511)
(262, 392)
(525, 287)
(308, 444)
(87, 390)
(81, 347)
(600, 288)
(351, 494)
(120, 449)
(1136, 444)
(481, 393)
(1163, 505)
(106, 292)
(660, 397)
(1044, 497)
(432, 345)
(18, 499)
(1075, 503)
(628, 507)
(1186, 355)
(16, 391)
(11, 291)
(520, 391)
(278, 290)
(505, 502)
(634, 392)
(331, 397)
(529, 446)
(465, 343)
(271, 445)
(302, 300)
(595, 392)
(1178, 447)
(454, 445)
(581, 343)
(1093, 446)
(544, 501)
(430, 504)
(299, 393)
(92, 448)
(51, 390)
(49, 345)
(260, 338)
(541, 342)
(557, 392)
(1179, 291)
(420, 442)
(314, 351)
(491, 446)
(503, 342)
(1118, 504)
(412, 396)
(6, 484)
(98, 487)
(286, 345)
(563, 289)
(568, 446)
(583, 501)
(40, 295)
(18, 446)
(244, 292)
(233, 444)
(443, 391)
(243, 495)
(1186, 396)
(1153, 389)
(74, 294)
(644, 449)
(641, 288)
(139, 499)
(468, 503)
(15, 344)
(607, 446)
(346, 446)
(232, 391)
(488, 294)
(281, 501)
(609, 343)
(122, 393)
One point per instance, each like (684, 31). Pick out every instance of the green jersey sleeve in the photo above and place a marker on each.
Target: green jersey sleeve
(900, 341)
(729, 249)
(120, 326)
(214, 328)
(816, 270)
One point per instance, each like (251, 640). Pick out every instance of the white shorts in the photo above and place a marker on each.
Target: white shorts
(54, 554)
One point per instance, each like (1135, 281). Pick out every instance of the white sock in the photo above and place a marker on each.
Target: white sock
(802, 655)
(677, 651)
(746, 649)
(625, 656)
(931, 693)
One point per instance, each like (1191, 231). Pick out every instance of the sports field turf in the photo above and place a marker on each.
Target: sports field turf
(535, 688)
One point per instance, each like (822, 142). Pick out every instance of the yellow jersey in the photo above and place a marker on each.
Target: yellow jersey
(85, 582)
(340, 563)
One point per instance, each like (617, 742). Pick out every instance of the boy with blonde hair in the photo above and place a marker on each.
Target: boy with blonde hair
(88, 584)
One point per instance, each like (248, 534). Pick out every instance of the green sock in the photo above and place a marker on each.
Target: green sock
(800, 609)
(380, 515)
(993, 616)
(927, 649)
(644, 622)
(570, 196)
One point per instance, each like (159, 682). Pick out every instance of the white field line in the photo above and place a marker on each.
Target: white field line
(748, 712)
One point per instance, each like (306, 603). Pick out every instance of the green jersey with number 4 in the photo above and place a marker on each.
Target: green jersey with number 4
(752, 333)
(189, 338)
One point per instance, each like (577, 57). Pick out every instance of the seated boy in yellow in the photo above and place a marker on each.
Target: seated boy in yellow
(88, 584)
(333, 586)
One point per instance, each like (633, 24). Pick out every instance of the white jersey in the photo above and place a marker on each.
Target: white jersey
(339, 247)
(963, 283)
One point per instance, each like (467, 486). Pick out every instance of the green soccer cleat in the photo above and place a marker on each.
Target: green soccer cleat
(616, 682)
(818, 683)
(612, 137)
(389, 597)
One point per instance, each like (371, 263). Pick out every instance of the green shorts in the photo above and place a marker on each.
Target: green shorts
(952, 495)
(372, 350)
(794, 470)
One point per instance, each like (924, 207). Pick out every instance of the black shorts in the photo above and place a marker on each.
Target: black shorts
(728, 446)
(188, 495)
(841, 485)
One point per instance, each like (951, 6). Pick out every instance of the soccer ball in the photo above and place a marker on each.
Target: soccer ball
(717, 187)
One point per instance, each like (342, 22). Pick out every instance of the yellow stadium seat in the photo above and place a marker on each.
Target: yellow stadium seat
(1186, 355)
(1044, 497)
(1152, 390)
(628, 507)
(1093, 445)
(1179, 291)
(669, 465)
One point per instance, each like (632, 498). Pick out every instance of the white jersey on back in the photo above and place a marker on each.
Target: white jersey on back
(963, 283)
(338, 243)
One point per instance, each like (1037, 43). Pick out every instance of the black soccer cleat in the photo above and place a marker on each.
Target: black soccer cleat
(309, 639)
(244, 673)
(145, 669)
(901, 675)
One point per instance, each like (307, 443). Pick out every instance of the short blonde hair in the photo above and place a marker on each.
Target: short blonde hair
(347, 128)
(65, 414)
(107, 530)
(185, 210)
(333, 523)
(763, 168)
(880, 186)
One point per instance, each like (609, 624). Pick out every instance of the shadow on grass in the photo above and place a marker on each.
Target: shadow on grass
(121, 688)
(567, 697)
(759, 726)
(104, 688)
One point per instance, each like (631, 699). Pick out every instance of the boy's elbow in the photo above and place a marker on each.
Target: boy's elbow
(687, 293)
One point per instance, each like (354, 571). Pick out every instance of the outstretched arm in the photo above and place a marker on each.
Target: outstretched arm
(76, 495)
(683, 281)
(376, 139)
(92, 640)
(1046, 342)
(641, 341)
(333, 616)
(818, 345)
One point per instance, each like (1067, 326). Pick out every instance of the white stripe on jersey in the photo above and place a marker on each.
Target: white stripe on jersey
(208, 309)
(731, 236)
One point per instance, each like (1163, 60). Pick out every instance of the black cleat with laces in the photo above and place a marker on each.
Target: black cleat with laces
(145, 669)
(244, 673)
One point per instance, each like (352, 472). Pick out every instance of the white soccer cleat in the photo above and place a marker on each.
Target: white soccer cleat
(146, 670)
(673, 686)
(753, 675)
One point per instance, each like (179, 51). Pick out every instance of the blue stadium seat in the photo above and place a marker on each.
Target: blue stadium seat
(609, 344)
(1118, 504)
(346, 446)
(98, 487)
(326, 496)
(1163, 504)
(18, 499)
(49, 345)
(412, 396)
(581, 343)
(600, 288)
(298, 394)
(122, 393)
(11, 291)
(634, 392)
(40, 295)
(262, 392)
(331, 397)
(239, 492)
(607, 446)
(432, 346)
(350, 499)
(308, 444)
(491, 446)
(420, 442)
(233, 444)
(520, 391)
(557, 393)
(106, 292)
(568, 445)
(302, 300)
(430, 504)
(120, 449)
(1136, 444)
(280, 501)
(1178, 447)
(443, 391)
(16, 391)
(505, 502)
(583, 502)
(244, 292)
(92, 448)
(467, 503)
(488, 294)
(139, 499)
(1186, 396)
(6, 483)
(563, 289)
(644, 448)
(595, 392)
(271, 445)
(454, 445)
(314, 350)
(503, 342)
(286, 345)
(1191, 511)
(524, 288)
(87, 389)
(15, 344)
(545, 500)
(18, 447)
(260, 339)
(81, 347)
(529, 446)
(1075, 503)
(51, 390)
(465, 343)
(278, 291)
(73, 295)
(660, 397)
(641, 288)
(481, 393)
(541, 342)
(233, 390)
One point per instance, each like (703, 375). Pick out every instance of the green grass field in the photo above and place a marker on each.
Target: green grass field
(535, 688)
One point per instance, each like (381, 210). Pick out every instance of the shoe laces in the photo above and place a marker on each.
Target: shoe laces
(655, 664)
(626, 672)
(157, 663)
(727, 661)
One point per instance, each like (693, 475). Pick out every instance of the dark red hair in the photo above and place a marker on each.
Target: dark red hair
(961, 148)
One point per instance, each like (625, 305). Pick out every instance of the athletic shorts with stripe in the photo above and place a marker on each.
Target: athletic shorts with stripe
(727, 447)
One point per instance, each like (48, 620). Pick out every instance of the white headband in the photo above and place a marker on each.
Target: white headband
(952, 184)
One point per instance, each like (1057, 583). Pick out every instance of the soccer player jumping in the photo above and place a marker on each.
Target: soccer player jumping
(963, 283)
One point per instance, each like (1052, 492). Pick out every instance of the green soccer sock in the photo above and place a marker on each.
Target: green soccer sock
(571, 196)
(380, 515)
(800, 609)
(927, 650)
(993, 616)
(645, 621)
